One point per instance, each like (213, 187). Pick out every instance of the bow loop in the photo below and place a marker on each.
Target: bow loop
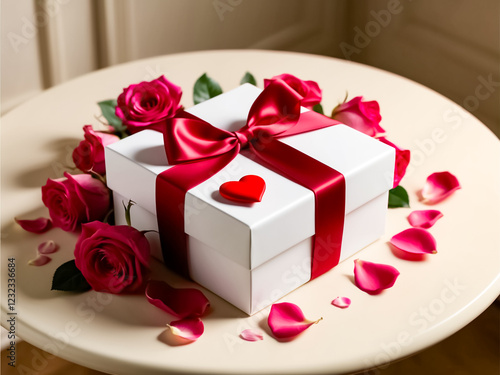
(276, 109)
(188, 138)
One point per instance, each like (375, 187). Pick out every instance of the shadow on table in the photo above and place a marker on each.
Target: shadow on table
(62, 161)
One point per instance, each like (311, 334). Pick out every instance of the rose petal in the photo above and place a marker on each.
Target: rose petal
(182, 303)
(360, 115)
(40, 225)
(189, 329)
(286, 320)
(438, 186)
(48, 247)
(251, 335)
(342, 302)
(40, 260)
(309, 90)
(372, 278)
(424, 218)
(402, 161)
(415, 240)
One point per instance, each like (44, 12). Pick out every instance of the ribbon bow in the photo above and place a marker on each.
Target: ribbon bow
(274, 112)
(198, 150)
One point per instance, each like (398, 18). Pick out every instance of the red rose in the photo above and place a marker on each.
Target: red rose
(360, 115)
(75, 199)
(147, 104)
(89, 155)
(112, 259)
(402, 160)
(309, 90)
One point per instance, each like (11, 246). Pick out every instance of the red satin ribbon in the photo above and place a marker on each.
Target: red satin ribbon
(198, 151)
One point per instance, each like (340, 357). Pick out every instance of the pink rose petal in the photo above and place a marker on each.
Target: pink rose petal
(415, 240)
(188, 329)
(48, 247)
(372, 278)
(438, 186)
(424, 218)
(341, 302)
(286, 320)
(40, 260)
(40, 225)
(182, 303)
(402, 161)
(251, 335)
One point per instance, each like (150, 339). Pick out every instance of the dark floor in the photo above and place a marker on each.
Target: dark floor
(473, 350)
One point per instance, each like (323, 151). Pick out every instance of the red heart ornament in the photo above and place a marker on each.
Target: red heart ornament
(248, 189)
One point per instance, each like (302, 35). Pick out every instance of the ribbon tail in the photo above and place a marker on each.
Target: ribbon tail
(328, 186)
(171, 188)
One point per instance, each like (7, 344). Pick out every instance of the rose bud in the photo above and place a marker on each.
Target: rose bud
(89, 155)
(75, 199)
(360, 115)
(309, 90)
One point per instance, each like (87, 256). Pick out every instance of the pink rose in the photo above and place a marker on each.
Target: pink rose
(309, 90)
(147, 104)
(402, 160)
(112, 259)
(360, 115)
(89, 155)
(75, 199)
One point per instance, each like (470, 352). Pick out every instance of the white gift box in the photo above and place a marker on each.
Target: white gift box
(253, 254)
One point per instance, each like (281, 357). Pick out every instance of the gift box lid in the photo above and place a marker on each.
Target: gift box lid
(251, 234)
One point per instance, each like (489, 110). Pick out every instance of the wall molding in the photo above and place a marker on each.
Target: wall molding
(52, 55)
(115, 25)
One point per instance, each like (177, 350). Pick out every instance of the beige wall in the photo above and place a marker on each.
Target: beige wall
(451, 46)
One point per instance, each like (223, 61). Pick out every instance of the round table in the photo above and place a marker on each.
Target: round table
(431, 299)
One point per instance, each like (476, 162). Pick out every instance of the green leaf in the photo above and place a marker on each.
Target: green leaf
(318, 108)
(69, 278)
(248, 78)
(205, 88)
(398, 197)
(108, 112)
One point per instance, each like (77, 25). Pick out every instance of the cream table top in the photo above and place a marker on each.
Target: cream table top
(431, 300)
